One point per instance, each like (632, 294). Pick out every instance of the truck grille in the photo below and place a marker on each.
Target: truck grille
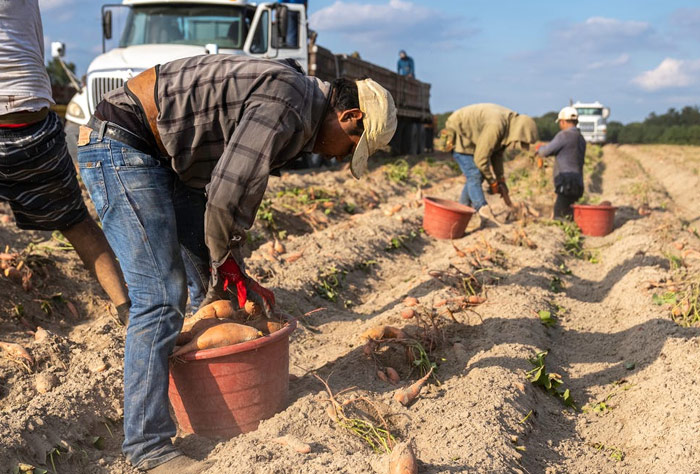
(586, 127)
(102, 85)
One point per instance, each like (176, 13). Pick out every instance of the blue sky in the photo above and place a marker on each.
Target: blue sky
(636, 56)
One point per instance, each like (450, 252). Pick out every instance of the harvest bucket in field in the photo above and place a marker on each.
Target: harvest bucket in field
(223, 392)
(595, 221)
(444, 219)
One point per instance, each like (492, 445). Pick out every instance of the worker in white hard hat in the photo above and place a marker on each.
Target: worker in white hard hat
(570, 149)
(177, 163)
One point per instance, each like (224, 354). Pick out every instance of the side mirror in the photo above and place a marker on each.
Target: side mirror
(58, 49)
(281, 25)
(606, 112)
(212, 48)
(107, 24)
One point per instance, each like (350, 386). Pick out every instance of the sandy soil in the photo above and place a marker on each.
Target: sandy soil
(633, 371)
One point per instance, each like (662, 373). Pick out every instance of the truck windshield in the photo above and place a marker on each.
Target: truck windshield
(589, 111)
(225, 26)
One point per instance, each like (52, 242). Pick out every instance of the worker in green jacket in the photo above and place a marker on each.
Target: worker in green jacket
(481, 134)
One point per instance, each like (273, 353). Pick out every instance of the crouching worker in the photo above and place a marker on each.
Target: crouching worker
(482, 132)
(570, 149)
(179, 159)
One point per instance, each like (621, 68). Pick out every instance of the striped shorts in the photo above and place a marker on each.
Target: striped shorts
(38, 178)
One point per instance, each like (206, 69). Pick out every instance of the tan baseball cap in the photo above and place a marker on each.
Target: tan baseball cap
(567, 113)
(379, 120)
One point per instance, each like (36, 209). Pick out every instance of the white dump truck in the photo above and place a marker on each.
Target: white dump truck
(158, 31)
(592, 120)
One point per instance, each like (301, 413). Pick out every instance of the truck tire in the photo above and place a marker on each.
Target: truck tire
(410, 138)
(420, 138)
(71, 130)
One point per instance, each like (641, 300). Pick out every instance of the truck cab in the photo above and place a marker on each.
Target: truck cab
(592, 120)
(158, 31)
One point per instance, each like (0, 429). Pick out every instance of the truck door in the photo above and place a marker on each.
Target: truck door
(278, 31)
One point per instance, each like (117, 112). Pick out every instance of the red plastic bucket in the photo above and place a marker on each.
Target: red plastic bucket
(595, 221)
(223, 392)
(445, 219)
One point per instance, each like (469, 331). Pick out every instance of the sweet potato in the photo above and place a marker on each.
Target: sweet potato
(410, 301)
(224, 334)
(264, 325)
(407, 395)
(474, 299)
(293, 257)
(403, 460)
(252, 308)
(407, 313)
(393, 375)
(16, 351)
(198, 326)
(383, 332)
(222, 309)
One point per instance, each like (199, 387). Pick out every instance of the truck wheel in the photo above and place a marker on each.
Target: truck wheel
(410, 139)
(72, 129)
(420, 135)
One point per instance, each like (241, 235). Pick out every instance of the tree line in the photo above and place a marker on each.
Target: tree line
(678, 127)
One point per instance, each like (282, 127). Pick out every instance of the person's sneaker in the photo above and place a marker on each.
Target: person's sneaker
(486, 215)
(181, 465)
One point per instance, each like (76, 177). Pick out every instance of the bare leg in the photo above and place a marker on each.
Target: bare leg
(94, 250)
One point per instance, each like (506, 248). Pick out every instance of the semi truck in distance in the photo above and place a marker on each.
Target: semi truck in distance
(158, 31)
(592, 118)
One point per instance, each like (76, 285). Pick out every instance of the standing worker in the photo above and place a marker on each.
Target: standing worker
(405, 66)
(481, 133)
(214, 124)
(570, 148)
(37, 176)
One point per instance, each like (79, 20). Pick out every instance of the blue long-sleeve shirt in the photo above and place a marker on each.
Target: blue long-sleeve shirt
(405, 67)
(570, 148)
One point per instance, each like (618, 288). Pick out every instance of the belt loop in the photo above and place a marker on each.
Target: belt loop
(101, 133)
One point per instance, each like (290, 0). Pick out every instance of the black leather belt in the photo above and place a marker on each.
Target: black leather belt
(120, 134)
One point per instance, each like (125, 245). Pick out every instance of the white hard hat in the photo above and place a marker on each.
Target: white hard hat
(567, 113)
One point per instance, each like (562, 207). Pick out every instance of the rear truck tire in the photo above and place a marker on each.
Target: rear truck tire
(396, 142)
(410, 138)
(420, 137)
(71, 130)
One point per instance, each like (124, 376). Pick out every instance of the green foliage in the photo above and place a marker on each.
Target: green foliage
(547, 318)
(573, 243)
(266, 214)
(330, 282)
(550, 381)
(680, 127)
(546, 126)
(398, 171)
(57, 74)
(441, 120)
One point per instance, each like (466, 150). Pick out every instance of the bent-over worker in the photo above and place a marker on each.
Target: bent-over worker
(180, 156)
(570, 147)
(482, 132)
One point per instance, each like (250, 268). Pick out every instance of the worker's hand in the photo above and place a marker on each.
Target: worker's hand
(540, 162)
(245, 287)
(494, 187)
(538, 145)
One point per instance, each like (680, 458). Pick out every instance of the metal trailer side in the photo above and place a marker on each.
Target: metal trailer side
(415, 131)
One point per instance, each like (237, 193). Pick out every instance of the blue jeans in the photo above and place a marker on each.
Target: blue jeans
(472, 193)
(155, 226)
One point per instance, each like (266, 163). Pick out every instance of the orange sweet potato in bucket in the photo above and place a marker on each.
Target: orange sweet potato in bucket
(221, 335)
